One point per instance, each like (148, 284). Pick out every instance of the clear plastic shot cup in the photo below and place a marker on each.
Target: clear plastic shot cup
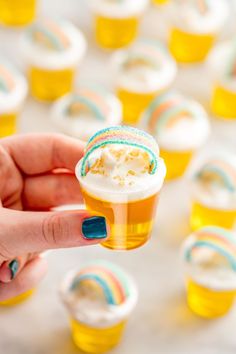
(53, 50)
(99, 299)
(210, 271)
(194, 28)
(213, 194)
(141, 72)
(117, 22)
(221, 64)
(121, 175)
(13, 91)
(180, 126)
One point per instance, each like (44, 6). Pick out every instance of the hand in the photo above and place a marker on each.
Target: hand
(36, 174)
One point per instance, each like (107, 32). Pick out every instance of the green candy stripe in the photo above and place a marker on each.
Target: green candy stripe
(121, 142)
(92, 106)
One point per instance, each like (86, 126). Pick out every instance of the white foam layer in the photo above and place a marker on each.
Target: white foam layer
(11, 102)
(184, 15)
(134, 187)
(218, 62)
(84, 125)
(215, 198)
(44, 58)
(212, 194)
(95, 312)
(118, 8)
(211, 270)
(143, 79)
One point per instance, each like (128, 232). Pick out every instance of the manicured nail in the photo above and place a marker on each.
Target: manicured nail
(94, 228)
(13, 266)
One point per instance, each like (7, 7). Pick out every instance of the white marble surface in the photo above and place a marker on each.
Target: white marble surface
(162, 322)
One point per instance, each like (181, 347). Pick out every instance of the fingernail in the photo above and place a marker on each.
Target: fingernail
(94, 228)
(13, 266)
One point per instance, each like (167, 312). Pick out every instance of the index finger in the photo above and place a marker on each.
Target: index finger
(40, 153)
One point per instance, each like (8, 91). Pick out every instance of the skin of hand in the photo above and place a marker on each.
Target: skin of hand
(37, 174)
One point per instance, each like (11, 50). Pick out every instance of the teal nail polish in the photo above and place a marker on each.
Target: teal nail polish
(13, 266)
(94, 228)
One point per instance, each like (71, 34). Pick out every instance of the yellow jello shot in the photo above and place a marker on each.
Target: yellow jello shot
(222, 65)
(180, 126)
(18, 299)
(214, 192)
(141, 73)
(85, 111)
(99, 299)
(121, 175)
(160, 2)
(53, 50)
(17, 12)
(13, 91)
(194, 27)
(117, 21)
(210, 271)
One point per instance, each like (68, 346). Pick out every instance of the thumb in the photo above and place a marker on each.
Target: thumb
(28, 232)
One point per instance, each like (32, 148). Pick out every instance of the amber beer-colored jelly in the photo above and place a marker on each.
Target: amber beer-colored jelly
(120, 184)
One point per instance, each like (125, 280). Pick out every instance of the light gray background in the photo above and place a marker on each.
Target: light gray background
(161, 322)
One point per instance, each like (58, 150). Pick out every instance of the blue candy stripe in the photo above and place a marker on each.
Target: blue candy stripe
(94, 108)
(122, 142)
(52, 39)
(170, 113)
(123, 128)
(218, 171)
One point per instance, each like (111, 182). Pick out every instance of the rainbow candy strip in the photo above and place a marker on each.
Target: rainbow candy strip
(167, 110)
(50, 33)
(218, 239)
(147, 50)
(7, 82)
(110, 278)
(202, 6)
(94, 100)
(121, 135)
(222, 169)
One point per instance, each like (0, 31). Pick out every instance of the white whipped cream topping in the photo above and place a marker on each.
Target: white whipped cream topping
(211, 270)
(84, 124)
(185, 134)
(121, 177)
(143, 78)
(218, 62)
(90, 309)
(184, 15)
(42, 57)
(118, 8)
(212, 194)
(11, 102)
